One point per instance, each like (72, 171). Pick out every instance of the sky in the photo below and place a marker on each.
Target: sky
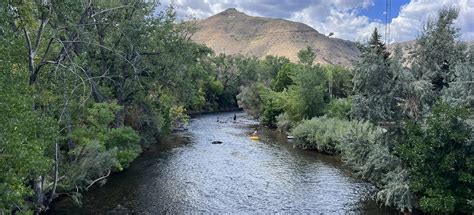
(347, 19)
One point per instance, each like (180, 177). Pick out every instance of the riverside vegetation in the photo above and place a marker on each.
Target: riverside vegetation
(406, 125)
(86, 87)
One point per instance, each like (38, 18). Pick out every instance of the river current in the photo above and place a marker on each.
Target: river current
(186, 173)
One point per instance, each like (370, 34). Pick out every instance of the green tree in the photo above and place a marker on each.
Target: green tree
(373, 82)
(273, 64)
(306, 56)
(339, 81)
(441, 160)
(27, 140)
(311, 88)
(285, 76)
(439, 50)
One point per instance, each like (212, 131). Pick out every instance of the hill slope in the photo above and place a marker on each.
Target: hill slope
(233, 32)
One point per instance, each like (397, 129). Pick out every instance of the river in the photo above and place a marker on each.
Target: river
(187, 174)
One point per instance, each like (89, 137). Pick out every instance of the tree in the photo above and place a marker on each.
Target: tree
(311, 88)
(89, 70)
(306, 56)
(438, 50)
(461, 87)
(27, 140)
(373, 82)
(285, 76)
(440, 159)
(339, 81)
(274, 64)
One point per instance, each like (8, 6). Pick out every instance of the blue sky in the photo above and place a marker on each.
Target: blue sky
(376, 11)
(347, 19)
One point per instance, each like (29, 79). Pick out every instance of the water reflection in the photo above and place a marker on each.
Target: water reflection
(189, 174)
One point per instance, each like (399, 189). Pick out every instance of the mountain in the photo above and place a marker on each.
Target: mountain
(409, 46)
(233, 32)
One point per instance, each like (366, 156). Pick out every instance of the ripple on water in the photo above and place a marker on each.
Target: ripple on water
(189, 174)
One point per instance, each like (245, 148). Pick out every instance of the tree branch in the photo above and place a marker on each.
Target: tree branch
(99, 179)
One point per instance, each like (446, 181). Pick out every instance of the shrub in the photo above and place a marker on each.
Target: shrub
(365, 149)
(283, 123)
(250, 100)
(322, 134)
(178, 116)
(127, 142)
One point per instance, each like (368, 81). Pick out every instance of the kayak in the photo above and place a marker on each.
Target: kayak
(254, 137)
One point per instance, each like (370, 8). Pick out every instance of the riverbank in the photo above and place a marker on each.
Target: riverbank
(188, 174)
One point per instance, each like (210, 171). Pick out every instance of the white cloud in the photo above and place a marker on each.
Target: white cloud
(342, 17)
(413, 15)
(344, 22)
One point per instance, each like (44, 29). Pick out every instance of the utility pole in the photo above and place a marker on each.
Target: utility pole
(388, 9)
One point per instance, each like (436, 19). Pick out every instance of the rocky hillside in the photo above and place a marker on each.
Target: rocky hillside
(408, 47)
(233, 32)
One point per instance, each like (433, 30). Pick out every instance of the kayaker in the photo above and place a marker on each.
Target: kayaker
(235, 117)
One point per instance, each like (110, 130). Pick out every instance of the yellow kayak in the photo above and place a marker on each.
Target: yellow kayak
(254, 137)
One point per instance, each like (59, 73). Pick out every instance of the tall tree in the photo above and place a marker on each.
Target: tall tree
(306, 56)
(373, 82)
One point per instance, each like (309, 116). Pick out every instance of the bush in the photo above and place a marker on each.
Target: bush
(322, 134)
(284, 123)
(364, 149)
(250, 100)
(178, 116)
(127, 142)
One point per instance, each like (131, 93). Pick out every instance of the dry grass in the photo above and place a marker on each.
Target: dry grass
(233, 32)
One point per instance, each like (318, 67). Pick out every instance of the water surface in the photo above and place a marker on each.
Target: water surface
(188, 174)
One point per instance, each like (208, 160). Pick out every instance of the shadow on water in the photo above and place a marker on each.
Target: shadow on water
(186, 173)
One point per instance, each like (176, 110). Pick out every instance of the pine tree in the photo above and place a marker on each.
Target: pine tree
(373, 82)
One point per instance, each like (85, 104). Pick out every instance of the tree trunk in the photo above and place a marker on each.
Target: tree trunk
(120, 115)
(39, 195)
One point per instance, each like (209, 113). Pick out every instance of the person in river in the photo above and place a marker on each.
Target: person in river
(235, 117)
(255, 133)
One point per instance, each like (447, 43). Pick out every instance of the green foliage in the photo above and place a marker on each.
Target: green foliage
(306, 56)
(250, 100)
(339, 81)
(373, 83)
(283, 122)
(273, 64)
(339, 108)
(26, 138)
(310, 86)
(178, 117)
(439, 156)
(439, 49)
(365, 149)
(322, 134)
(284, 77)
(126, 141)
(461, 88)
(119, 145)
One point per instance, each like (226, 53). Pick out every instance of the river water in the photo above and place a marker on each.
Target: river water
(187, 174)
